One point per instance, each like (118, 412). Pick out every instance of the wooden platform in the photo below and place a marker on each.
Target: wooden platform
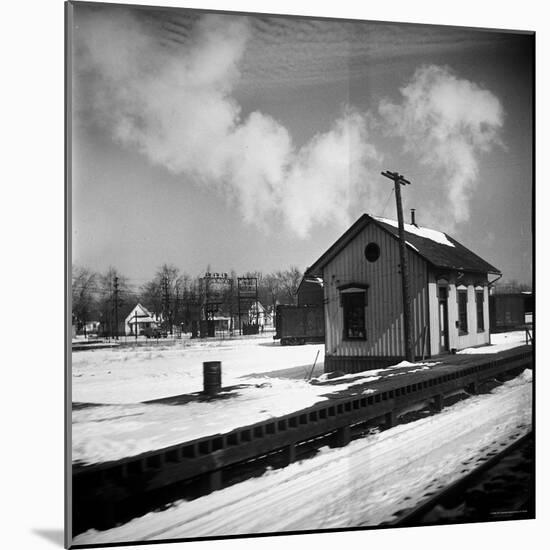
(96, 485)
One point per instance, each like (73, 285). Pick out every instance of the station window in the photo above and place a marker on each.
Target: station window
(372, 252)
(479, 311)
(353, 304)
(462, 297)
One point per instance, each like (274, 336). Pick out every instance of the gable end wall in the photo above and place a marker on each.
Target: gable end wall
(383, 312)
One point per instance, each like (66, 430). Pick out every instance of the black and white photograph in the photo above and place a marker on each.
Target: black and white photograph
(300, 274)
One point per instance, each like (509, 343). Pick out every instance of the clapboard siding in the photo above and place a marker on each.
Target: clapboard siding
(434, 314)
(473, 337)
(383, 312)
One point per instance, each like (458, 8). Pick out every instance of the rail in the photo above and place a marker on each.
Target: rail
(109, 482)
(414, 515)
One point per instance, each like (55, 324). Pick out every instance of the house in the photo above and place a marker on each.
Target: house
(141, 318)
(258, 314)
(90, 328)
(363, 295)
(223, 323)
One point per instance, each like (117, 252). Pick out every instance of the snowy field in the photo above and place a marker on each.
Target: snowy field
(131, 375)
(112, 432)
(362, 484)
(268, 379)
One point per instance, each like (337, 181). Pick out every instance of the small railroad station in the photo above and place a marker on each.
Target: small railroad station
(448, 286)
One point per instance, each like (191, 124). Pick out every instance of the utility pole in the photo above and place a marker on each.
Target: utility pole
(231, 289)
(166, 303)
(177, 306)
(398, 181)
(239, 306)
(115, 284)
(257, 306)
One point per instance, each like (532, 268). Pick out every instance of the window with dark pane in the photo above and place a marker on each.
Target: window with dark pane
(372, 252)
(479, 311)
(354, 315)
(462, 311)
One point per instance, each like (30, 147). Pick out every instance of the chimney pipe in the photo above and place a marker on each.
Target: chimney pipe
(413, 218)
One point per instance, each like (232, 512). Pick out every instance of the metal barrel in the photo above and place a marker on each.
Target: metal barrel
(212, 377)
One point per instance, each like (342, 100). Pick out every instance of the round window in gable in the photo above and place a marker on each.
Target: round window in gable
(372, 252)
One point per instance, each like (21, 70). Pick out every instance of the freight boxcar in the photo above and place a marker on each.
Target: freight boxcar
(299, 324)
(509, 311)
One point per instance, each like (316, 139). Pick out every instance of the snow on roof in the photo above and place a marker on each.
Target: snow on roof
(143, 315)
(434, 246)
(141, 319)
(423, 232)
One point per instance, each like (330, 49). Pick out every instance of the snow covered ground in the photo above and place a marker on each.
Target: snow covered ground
(131, 375)
(499, 342)
(269, 381)
(112, 432)
(362, 484)
(116, 431)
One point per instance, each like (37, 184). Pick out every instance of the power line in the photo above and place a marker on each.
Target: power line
(387, 201)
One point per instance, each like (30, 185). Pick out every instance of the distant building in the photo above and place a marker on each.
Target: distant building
(510, 310)
(139, 319)
(91, 328)
(222, 322)
(310, 291)
(363, 295)
(257, 313)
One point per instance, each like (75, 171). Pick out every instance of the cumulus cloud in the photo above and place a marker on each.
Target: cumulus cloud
(329, 174)
(446, 122)
(176, 107)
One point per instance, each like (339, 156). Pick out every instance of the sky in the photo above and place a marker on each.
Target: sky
(253, 142)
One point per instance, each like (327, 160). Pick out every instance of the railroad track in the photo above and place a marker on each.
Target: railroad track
(113, 492)
(363, 484)
(423, 513)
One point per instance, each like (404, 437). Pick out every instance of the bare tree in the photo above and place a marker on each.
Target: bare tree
(271, 286)
(512, 286)
(84, 298)
(289, 281)
(163, 294)
(115, 296)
